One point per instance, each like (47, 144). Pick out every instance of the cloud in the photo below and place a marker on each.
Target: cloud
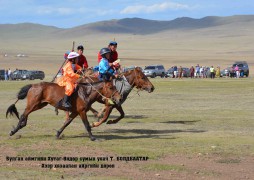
(45, 10)
(154, 8)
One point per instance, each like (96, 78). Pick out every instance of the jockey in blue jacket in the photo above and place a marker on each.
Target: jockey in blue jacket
(105, 71)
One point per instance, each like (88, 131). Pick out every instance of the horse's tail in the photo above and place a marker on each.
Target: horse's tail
(23, 92)
(21, 95)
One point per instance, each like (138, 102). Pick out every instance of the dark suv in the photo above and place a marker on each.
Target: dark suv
(25, 74)
(33, 75)
(17, 74)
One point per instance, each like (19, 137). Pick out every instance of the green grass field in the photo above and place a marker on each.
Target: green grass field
(189, 117)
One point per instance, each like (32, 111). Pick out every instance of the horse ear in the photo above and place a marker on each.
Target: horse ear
(138, 68)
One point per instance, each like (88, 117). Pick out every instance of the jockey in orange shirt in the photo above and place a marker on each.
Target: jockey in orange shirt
(69, 77)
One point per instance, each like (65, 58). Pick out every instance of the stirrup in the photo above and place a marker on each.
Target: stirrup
(67, 105)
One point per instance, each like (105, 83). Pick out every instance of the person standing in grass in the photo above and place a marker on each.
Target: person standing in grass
(197, 71)
(212, 72)
(218, 71)
(192, 70)
(175, 72)
(237, 71)
(180, 70)
(9, 74)
(6, 75)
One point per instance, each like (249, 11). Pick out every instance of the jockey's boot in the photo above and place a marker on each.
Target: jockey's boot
(66, 102)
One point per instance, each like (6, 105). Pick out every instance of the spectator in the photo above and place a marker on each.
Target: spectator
(212, 71)
(237, 71)
(201, 69)
(192, 70)
(197, 71)
(205, 72)
(6, 75)
(180, 70)
(175, 72)
(9, 74)
(218, 71)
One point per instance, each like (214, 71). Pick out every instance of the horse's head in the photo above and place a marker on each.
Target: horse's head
(110, 91)
(139, 80)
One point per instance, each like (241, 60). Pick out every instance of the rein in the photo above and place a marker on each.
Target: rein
(103, 97)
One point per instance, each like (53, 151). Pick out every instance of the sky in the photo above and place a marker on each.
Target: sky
(71, 13)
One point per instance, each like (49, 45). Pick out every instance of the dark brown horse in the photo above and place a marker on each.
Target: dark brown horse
(135, 78)
(41, 94)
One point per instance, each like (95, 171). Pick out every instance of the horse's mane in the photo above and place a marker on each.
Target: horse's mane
(128, 72)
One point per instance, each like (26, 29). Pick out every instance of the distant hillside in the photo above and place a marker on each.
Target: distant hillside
(26, 30)
(144, 26)
(124, 26)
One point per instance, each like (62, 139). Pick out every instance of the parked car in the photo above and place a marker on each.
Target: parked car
(2, 72)
(33, 75)
(225, 72)
(154, 70)
(17, 74)
(25, 74)
(243, 68)
(169, 72)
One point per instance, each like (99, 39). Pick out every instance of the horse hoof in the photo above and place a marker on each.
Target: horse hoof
(92, 138)
(95, 124)
(110, 122)
(58, 135)
(11, 133)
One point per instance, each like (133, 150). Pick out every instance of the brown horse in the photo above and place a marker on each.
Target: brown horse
(135, 78)
(41, 94)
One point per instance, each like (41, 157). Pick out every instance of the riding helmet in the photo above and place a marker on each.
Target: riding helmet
(73, 55)
(104, 51)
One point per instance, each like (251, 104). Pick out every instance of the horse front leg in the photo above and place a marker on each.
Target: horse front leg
(122, 114)
(101, 112)
(95, 113)
(87, 125)
(108, 110)
(68, 120)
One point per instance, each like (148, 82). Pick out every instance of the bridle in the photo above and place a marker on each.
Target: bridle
(138, 82)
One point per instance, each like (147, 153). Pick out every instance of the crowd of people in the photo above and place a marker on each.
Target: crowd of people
(197, 72)
(8, 74)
